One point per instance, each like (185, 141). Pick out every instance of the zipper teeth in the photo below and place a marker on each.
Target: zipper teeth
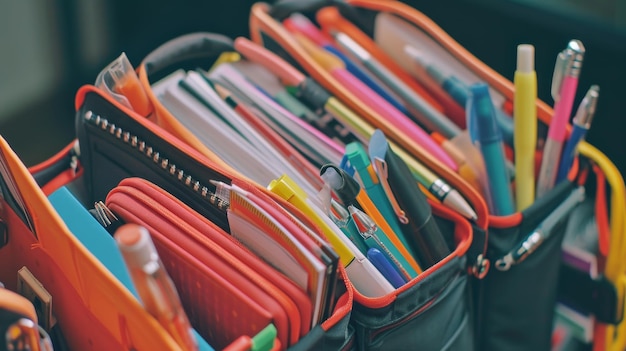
(379, 331)
(147, 150)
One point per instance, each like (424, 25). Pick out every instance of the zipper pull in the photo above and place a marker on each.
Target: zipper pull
(75, 154)
(543, 232)
(221, 197)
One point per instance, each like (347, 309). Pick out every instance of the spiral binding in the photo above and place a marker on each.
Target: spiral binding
(162, 162)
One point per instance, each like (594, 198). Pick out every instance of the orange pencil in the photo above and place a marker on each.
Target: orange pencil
(465, 170)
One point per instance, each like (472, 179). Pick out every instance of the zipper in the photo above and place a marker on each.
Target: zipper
(373, 335)
(350, 344)
(250, 273)
(431, 39)
(74, 158)
(442, 293)
(162, 163)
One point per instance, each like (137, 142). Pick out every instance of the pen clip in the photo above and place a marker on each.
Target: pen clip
(380, 167)
(564, 61)
(587, 107)
(568, 63)
(346, 166)
(367, 229)
(338, 213)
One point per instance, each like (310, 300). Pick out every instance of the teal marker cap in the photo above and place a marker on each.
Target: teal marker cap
(359, 160)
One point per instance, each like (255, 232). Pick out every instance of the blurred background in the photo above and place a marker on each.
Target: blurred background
(52, 47)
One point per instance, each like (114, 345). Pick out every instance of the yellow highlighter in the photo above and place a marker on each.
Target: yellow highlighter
(362, 273)
(286, 188)
(525, 119)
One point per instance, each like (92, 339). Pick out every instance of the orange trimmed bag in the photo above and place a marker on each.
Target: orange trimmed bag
(514, 309)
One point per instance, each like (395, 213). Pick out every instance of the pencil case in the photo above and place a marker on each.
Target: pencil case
(81, 304)
(430, 312)
(521, 319)
(116, 144)
(138, 201)
(186, 244)
(91, 309)
(406, 316)
(446, 281)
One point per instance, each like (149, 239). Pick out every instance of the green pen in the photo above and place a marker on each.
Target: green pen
(293, 105)
(370, 178)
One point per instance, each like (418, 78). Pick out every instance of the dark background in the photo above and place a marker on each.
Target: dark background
(491, 29)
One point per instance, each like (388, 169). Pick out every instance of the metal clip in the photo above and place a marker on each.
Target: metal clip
(481, 267)
(587, 107)
(74, 157)
(568, 63)
(380, 167)
(104, 215)
(504, 263)
(521, 251)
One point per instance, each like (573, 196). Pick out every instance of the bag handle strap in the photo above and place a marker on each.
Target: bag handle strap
(186, 48)
(174, 54)
(281, 9)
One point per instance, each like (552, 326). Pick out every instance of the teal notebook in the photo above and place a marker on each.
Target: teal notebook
(91, 234)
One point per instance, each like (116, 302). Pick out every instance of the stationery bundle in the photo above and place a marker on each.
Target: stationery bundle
(349, 177)
(517, 230)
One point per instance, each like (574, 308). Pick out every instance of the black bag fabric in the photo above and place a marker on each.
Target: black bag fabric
(518, 304)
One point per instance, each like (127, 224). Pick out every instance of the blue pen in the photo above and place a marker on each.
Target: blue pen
(365, 77)
(384, 266)
(301, 24)
(481, 111)
(581, 124)
(460, 93)
(372, 183)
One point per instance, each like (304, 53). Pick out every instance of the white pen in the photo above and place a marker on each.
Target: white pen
(428, 116)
